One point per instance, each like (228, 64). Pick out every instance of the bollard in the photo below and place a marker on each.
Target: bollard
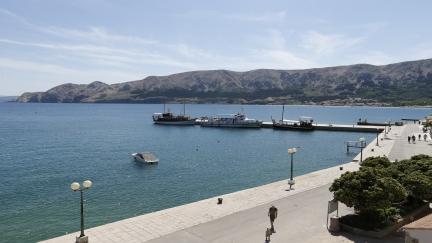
(219, 200)
(334, 225)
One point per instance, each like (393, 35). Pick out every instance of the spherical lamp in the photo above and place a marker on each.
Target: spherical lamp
(75, 186)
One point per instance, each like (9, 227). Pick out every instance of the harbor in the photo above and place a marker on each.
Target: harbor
(240, 120)
(242, 216)
(195, 163)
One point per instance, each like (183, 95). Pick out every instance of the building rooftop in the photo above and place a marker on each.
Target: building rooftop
(422, 223)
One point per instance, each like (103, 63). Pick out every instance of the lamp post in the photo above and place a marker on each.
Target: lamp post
(291, 182)
(362, 145)
(377, 133)
(75, 186)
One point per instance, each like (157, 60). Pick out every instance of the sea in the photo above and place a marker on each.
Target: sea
(46, 147)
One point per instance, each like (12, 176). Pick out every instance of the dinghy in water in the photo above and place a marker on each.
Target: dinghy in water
(145, 157)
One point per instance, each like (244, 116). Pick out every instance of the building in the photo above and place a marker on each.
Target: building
(419, 231)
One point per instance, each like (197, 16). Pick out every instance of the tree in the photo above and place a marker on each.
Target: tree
(371, 195)
(379, 190)
(418, 185)
(376, 162)
(371, 191)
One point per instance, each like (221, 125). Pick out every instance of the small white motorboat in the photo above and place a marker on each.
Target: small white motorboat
(145, 157)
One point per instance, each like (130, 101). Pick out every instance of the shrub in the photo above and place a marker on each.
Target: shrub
(380, 190)
(376, 162)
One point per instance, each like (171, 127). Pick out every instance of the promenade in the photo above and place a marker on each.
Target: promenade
(243, 215)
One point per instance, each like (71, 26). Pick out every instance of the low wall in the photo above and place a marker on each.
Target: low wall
(425, 209)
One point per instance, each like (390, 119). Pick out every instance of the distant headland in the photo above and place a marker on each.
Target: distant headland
(400, 84)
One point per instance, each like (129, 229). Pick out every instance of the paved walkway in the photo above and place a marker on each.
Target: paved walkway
(404, 150)
(223, 223)
(297, 221)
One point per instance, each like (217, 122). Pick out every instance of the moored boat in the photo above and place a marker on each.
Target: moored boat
(169, 118)
(366, 123)
(304, 123)
(145, 157)
(238, 120)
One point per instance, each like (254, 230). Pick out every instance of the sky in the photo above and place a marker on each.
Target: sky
(44, 43)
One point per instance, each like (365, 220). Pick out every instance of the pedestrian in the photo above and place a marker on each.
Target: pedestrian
(413, 138)
(267, 235)
(419, 137)
(272, 213)
(425, 136)
(409, 139)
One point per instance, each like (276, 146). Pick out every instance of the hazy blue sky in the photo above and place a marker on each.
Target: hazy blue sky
(44, 43)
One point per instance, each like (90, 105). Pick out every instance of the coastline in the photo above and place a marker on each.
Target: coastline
(221, 103)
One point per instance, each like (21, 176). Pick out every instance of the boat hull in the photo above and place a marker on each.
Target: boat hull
(232, 125)
(290, 127)
(137, 158)
(177, 123)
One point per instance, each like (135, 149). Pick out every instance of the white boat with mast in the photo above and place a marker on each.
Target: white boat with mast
(304, 123)
(169, 118)
(238, 120)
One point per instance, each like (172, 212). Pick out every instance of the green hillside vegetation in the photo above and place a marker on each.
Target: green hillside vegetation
(406, 83)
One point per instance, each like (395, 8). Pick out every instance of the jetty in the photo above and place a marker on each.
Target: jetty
(242, 217)
(330, 127)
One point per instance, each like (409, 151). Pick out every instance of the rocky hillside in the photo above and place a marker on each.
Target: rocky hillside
(406, 83)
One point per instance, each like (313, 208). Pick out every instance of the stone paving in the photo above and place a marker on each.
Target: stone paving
(164, 223)
(301, 218)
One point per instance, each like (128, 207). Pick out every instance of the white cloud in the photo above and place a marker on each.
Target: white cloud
(265, 17)
(376, 58)
(257, 17)
(79, 75)
(280, 59)
(97, 51)
(96, 34)
(421, 51)
(191, 52)
(372, 27)
(328, 43)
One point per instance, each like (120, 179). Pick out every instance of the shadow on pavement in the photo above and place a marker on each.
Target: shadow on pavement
(393, 238)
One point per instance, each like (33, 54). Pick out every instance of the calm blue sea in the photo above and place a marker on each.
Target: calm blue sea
(45, 147)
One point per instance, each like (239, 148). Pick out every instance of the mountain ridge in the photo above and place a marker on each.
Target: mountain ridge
(404, 83)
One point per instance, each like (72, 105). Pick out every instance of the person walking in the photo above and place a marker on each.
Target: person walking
(409, 139)
(419, 137)
(425, 136)
(272, 213)
(413, 138)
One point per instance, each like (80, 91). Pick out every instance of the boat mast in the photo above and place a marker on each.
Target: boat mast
(283, 110)
(164, 108)
(184, 109)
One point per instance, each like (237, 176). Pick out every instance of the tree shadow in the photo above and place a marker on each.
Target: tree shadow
(397, 237)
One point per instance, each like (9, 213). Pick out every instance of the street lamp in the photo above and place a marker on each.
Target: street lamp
(362, 145)
(291, 151)
(377, 133)
(75, 186)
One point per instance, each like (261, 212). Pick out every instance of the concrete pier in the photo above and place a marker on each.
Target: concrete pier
(243, 215)
(334, 127)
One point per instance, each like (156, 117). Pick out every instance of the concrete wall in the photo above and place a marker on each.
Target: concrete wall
(418, 236)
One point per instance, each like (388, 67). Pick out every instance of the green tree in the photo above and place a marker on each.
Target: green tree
(371, 192)
(418, 185)
(376, 162)
(379, 190)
